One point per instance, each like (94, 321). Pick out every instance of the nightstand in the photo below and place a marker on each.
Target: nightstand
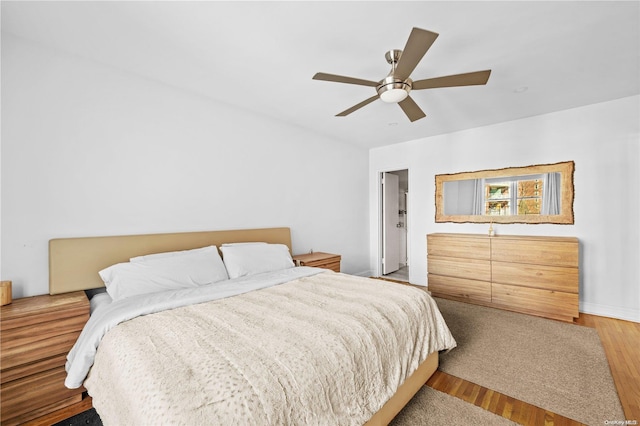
(36, 335)
(319, 260)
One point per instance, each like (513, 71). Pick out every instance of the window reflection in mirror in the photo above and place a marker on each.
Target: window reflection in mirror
(503, 196)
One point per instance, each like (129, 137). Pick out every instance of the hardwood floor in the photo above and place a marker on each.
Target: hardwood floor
(496, 402)
(621, 342)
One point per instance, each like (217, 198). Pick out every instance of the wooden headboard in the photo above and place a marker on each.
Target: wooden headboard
(74, 262)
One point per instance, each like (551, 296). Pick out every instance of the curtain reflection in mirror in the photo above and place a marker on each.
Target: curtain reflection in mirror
(478, 196)
(551, 194)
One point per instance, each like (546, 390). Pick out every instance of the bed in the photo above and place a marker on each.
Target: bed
(291, 345)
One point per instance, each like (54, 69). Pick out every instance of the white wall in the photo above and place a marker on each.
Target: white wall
(88, 150)
(603, 140)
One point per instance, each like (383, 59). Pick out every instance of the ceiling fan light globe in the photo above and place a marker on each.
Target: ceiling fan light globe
(394, 95)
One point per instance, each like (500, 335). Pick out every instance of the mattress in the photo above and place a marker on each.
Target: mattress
(305, 346)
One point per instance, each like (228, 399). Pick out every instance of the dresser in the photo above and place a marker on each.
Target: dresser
(319, 260)
(36, 335)
(532, 275)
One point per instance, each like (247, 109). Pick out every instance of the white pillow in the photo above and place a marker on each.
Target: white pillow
(168, 254)
(192, 269)
(241, 244)
(249, 259)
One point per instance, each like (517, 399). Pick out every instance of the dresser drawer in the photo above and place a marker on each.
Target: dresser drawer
(460, 246)
(545, 277)
(462, 288)
(556, 252)
(554, 304)
(461, 268)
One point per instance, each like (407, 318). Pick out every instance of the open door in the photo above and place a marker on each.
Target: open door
(390, 221)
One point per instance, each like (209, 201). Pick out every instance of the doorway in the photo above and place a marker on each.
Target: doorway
(394, 260)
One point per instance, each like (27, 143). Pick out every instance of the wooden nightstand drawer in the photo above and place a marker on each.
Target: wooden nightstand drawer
(24, 370)
(333, 265)
(25, 335)
(319, 260)
(37, 333)
(37, 350)
(21, 397)
(30, 311)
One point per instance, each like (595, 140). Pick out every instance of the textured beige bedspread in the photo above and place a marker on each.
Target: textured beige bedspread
(329, 349)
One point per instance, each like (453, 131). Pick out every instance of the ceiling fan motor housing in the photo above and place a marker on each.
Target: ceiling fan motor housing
(393, 89)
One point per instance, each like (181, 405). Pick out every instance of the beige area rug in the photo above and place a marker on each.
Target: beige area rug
(556, 366)
(431, 407)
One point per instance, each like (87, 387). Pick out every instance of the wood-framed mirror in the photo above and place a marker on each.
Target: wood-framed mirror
(533, 194)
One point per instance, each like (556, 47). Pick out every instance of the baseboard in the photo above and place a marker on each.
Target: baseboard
(626, 314)
(368, 273)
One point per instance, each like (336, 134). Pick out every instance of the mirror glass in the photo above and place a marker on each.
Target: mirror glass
(532, 194)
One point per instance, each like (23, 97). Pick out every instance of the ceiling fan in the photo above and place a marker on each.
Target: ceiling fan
(395, 87)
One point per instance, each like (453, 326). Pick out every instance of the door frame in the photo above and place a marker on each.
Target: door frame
(390, 220)
(379, 230)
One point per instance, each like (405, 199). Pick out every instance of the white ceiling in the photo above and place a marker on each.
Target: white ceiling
(260, 56)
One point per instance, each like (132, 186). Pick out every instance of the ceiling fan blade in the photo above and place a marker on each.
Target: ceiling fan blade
(417, 45)
(343, 79)
(357, 107)
(411, 108)
(466, 79)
